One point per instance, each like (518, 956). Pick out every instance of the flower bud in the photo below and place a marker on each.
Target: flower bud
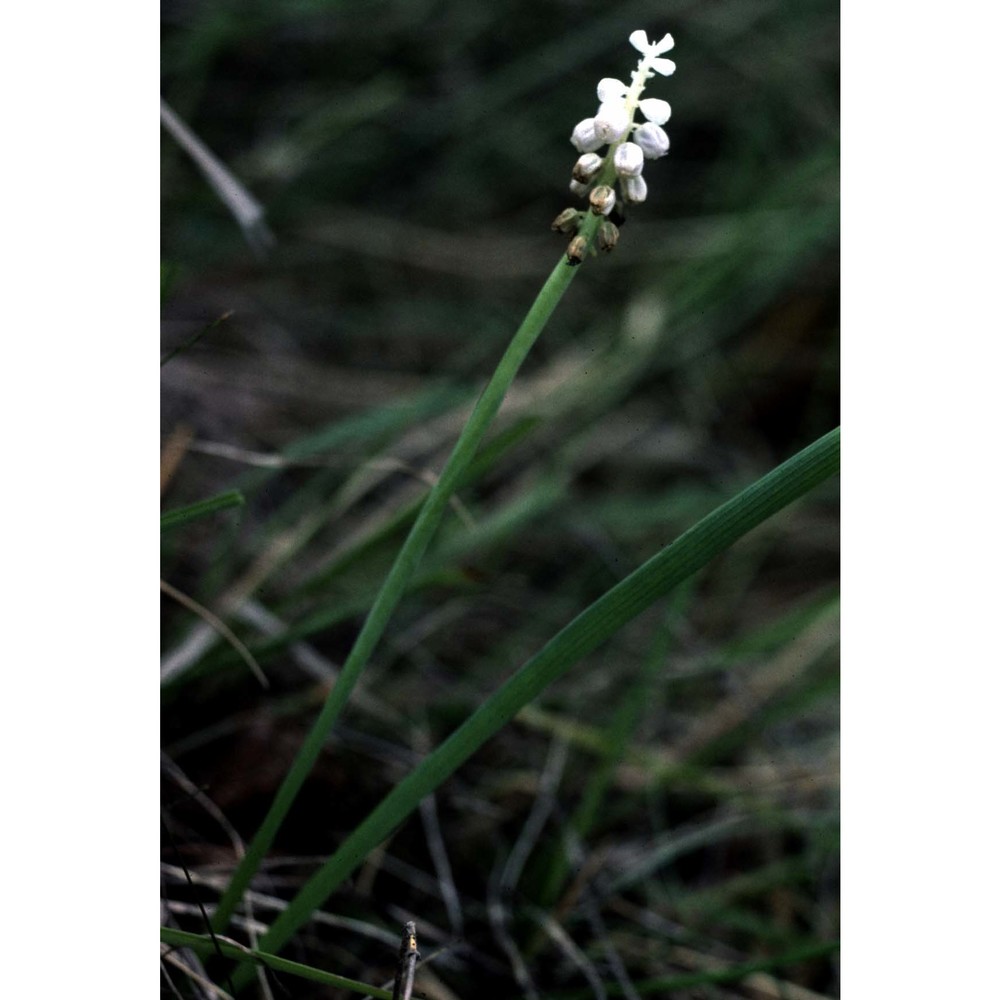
(586, 167)
(602, 199)
(628, 160)
(611, 121)
(652, 140)
(585, 136)
(607, 236)
(633, 189)
(576, 250)
(578, 189)
(655, 110)
(610, 89)
(567, 221)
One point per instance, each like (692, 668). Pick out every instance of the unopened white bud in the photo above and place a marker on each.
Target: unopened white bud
(634, 189)
(652, 140)
(585, 136)
(602, 199)
(587, 166)
(655, 110)
(610, 89)
(578, 189)
(628, 160)
(611, 121)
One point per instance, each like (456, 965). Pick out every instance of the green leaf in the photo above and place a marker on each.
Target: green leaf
(208, 946)
(183, 515)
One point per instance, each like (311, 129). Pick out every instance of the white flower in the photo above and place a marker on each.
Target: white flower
(665, 67)
(610, 89)
(611, 121)
(585, 137)
(641, 41)
(628, 160)
(634, 189)
(652, 140)
(655, 110)
(578, 189)
(651, 50)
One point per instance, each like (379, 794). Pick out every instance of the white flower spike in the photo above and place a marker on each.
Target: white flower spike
(630, 143)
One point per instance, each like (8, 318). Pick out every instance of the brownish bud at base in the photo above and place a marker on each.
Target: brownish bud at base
(576, 250)
(602, 199)
(607, 236)
(567, 221)
(586, 167)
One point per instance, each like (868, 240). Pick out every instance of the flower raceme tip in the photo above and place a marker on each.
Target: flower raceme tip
(630, 143)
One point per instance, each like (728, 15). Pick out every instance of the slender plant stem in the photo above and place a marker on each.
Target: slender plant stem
(712, 535)
(395, 583)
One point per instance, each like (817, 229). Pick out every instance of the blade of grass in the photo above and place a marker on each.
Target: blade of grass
(191, 341)
(658, 575)
(627, 717)
(402, 569)
(206, 945)
(223, 501)
(245, 209)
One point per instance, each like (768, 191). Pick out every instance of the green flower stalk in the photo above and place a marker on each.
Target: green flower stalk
(595, 176)
(395, 583)
(618, 111)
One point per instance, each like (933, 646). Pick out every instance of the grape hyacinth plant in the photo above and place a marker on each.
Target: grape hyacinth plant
(629, 146)
(609, 172)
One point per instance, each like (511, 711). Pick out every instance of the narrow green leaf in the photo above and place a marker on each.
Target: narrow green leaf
(209, 946)
(191, 341)
(182, 515)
